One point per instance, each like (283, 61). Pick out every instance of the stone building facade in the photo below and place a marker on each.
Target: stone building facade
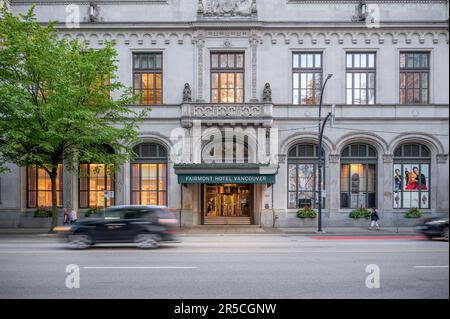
(249, 64)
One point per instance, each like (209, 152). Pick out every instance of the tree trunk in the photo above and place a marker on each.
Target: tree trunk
(53, 178)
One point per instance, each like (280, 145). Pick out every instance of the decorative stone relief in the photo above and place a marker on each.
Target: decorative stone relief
(388, 158)
(442, 158)
(334, 158)
(281, 158)
(187, 93)
(267, 93)
(227, 8)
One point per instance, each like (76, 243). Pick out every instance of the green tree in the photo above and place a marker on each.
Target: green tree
(55, 101)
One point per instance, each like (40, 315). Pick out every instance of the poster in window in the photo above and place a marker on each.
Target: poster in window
(425, 200)
(414, 178)
(398, 179)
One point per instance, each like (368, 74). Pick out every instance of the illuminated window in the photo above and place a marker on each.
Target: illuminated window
(39, 187)
(94, 180)
(414, 77)
(307, 78)
(147, 77)
(360, 78)
(411, 176)
(227, 77)
(303, 175)
(149, 175)
(358, 176)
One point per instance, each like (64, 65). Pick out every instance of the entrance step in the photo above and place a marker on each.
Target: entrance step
(228, 221)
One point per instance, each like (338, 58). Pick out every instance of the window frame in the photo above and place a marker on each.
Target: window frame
(107, 177)
(364, 160)
(158, 160)
(226, 70)
(414, 70)
(305, 160)
(420, 160)
(60, 192)
(148, 71)
(361, 70)
(307, 70)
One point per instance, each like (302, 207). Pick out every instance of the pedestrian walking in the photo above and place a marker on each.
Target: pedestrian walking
(73, 215)
(374, 218)
(66, 216)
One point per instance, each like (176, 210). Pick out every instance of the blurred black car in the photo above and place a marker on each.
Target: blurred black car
(435, 227)
(146, 226)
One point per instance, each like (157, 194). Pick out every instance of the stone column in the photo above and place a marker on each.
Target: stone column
(385, 198)
(439, 195)
(200, 42)
(332, 183)
(254, 55)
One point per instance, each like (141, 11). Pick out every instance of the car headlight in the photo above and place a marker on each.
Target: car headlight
(62, 229)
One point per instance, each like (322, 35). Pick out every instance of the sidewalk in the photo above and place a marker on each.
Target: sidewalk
(249, 230)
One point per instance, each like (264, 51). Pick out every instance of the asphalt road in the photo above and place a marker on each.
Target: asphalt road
(227, 267)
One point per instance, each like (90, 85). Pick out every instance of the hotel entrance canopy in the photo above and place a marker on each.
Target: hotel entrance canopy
(226, 173)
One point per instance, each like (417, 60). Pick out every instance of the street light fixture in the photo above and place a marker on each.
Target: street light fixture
(319, 152)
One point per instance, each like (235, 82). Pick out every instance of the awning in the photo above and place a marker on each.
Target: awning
(226, 173)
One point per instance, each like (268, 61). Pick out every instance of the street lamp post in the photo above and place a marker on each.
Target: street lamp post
(319, 152)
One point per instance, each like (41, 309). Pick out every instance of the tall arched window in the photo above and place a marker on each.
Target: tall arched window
(94, 179)
(358, 176)
(411, 176)
(149, 175)
(303, 176)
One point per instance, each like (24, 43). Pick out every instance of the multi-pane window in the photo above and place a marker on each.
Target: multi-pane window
(227, 77)
(360, 77)
(39, 187)
(147, 77)
(94, 180)
(414, 77)
(149, 175)
(306, 78)
(358, 176)
(303, 176)
(412, 176)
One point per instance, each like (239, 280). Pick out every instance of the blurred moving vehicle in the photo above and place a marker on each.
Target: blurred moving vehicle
(145, 226)
(434, 228)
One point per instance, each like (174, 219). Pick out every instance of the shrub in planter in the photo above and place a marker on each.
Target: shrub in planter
(306, 212)
(91, 211)
(360, 213)
(43, 212)
(413, 213)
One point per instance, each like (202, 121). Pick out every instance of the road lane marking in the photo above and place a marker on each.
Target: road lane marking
(139, 267)
(381, 237)
(224, 251)
(430, 266)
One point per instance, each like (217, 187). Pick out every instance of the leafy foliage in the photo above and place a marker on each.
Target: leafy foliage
(360, 213)
(413, 213)
(55, 102)
(306, 212)
(43, 212)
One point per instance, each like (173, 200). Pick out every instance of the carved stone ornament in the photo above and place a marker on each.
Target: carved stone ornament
(267, 93)
(220, 8)
(187, 93)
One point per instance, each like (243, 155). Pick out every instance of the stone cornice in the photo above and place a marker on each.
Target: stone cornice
(155, 36)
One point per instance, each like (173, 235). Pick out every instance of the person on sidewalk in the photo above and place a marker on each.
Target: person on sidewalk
(66, 216)
(73, 215)
(374, 218)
